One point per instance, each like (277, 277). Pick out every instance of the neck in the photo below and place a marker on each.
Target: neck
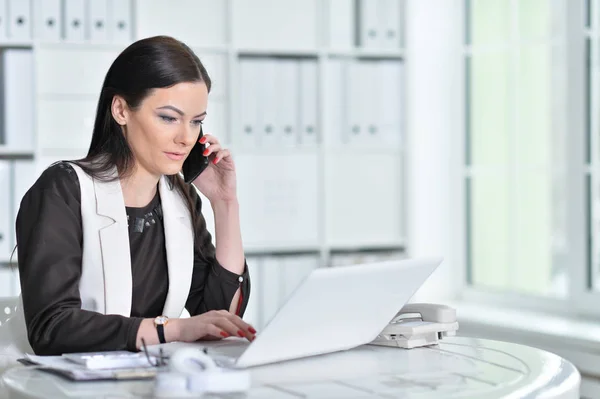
(139, 188)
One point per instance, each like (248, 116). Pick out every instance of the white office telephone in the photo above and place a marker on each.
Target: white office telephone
(418, 324)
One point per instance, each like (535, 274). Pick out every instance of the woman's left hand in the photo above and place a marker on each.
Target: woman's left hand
(217, 182)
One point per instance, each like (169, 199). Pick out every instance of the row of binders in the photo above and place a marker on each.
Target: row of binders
(17, 99)
(94, 21)
(16, 177)
(371, 24)
(278, 102)
(364, 102)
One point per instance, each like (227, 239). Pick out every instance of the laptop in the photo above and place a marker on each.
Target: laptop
(333, 309)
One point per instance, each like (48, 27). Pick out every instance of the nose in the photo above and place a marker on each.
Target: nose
(187, 135)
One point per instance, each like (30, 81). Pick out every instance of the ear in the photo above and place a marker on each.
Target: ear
(120, 110)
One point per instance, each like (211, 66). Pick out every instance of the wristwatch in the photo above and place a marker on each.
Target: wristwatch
(160, 322)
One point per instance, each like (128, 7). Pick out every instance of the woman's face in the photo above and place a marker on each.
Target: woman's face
(162, 131)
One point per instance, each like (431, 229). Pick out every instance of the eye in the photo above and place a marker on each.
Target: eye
(198, 122)
(167, 118)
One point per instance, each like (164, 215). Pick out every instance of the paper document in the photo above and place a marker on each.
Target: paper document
(66, 368)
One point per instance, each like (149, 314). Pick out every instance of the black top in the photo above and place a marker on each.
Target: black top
(50, 240)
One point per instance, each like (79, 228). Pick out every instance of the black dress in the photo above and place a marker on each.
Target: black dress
(50, 242)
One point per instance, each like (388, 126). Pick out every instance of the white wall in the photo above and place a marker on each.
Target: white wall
(435, 110)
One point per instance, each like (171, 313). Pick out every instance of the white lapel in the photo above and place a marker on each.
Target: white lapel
(179, 241)
(114, 242)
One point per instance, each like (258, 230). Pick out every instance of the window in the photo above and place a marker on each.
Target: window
(517, 157)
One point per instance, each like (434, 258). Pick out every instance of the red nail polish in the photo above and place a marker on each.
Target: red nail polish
(205, 153)
(202, 140)
(215, 161)
(252, 330)
(224, 334)
(241, 333)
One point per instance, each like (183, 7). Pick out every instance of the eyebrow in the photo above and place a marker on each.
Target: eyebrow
(180, 112)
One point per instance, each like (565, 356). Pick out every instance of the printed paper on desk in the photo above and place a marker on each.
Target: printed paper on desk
(73, 371)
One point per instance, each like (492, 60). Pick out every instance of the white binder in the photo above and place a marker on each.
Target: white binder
(97, 20)
(18, 98)
(48, 22)
(369, 24)
(357, 83)
(4, 19)
(287, 98)
(341, 24)
(268, 97)
(335, 122)
(250, 87)
(120, 19)
(5, 211)
(391, 107)
(75, 21)
(309, 103)
(390, 12)
(20, 24)
(371, 102)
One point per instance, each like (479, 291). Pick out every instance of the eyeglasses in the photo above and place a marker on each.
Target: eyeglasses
(162, 359)
(160, 362)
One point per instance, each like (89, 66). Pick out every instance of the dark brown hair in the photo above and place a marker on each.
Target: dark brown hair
(150, 63)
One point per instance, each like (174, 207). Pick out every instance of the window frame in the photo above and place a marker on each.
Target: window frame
(580, 141)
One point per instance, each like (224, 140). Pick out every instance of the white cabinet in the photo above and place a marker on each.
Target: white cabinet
(307, 99)
(276, 24)
(364, 199)
(5, 211)
(216, 67)
(279, 204)
(72, 70)
(66, 124)
(195, 22)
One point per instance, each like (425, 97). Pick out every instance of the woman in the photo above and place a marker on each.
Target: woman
(113, 248)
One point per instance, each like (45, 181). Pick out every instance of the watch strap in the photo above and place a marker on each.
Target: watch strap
(160, 329)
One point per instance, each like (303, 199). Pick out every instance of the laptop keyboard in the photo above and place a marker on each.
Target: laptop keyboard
(228, 348)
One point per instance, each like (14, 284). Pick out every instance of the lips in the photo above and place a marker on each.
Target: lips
(175, 156)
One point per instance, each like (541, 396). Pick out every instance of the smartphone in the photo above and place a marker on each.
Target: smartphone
(196, 162)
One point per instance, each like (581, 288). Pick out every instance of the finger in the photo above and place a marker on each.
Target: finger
(215, 331)
(211, 149)
(240, 325)
(232, 328)
(232, 324)
(208, 138)
(220, 155)
(246, 328)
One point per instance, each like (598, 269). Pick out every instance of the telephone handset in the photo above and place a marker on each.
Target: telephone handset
(418, 324)
(196, 162)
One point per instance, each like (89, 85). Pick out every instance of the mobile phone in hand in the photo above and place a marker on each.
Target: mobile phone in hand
(196, 162)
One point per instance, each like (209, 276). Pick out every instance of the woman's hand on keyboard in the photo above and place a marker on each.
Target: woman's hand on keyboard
(215, 324)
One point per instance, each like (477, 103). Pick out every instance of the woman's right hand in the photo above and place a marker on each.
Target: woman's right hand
(215, 324)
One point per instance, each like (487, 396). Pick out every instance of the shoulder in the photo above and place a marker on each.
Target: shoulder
(59, 178)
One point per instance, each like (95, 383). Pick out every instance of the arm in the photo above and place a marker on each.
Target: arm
(217, 271)
(49, 237)
(228, 237)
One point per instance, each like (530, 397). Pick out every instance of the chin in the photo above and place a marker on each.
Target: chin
(172, 168)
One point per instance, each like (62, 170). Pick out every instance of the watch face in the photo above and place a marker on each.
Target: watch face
(161, 320)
